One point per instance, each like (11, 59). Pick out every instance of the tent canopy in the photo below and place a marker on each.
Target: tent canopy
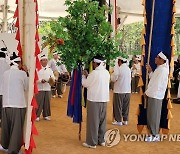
(131, 10)
(134, 7)
(47, 9)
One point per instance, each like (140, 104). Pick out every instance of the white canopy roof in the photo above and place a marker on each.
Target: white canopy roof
(131, 9)
(47, 8)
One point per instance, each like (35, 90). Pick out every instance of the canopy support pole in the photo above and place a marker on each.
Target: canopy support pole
(5, 12)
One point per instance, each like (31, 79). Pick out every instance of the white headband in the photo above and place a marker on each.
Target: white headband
(123, 59)
(43, 57)
(138, 58)
(15, 60)
(162, 56)
(99, 61)
(166, 64)
(55, 53)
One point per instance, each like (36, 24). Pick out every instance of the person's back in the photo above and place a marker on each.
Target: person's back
(123, 82)
(122, 89)
(15, 83)
(97, 84)
(4, 66)
(98, 89)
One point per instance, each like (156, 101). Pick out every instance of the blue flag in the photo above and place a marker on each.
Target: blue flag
(74, 108)
(161, 41)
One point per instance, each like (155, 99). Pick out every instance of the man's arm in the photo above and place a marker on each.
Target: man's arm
(114, 77)
(87, 80)
(149, 69)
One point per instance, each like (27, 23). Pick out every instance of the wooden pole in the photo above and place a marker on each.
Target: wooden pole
(23, 33)
(4, 20)
(115, 32)
(149, 48)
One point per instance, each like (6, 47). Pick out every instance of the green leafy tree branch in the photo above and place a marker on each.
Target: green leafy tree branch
(86, 33)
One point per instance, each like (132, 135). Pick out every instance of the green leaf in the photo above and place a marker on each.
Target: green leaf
(86, 33)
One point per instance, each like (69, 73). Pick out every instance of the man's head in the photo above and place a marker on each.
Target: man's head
(138, 58)
(16, 60)
(2, 55)
(55, 55)
(178, 59)
(2, 52)
(44, 60)
(97, 61)
(121, 61)
(136, 61)
(160, 59)
(134, 57)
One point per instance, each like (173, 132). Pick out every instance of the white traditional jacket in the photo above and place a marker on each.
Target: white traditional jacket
(15, 84)
(52, 64)
(97, 84)
(45, 73)
(62, 69)
(4, 66)
(122, 79)
(158, 82)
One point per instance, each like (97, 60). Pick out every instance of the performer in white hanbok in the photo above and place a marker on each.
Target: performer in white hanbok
(14, 86)
(155, 94)
(44, 89)
(97, 84)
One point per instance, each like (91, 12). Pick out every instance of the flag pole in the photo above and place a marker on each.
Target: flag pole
(23, 32)
(115, 31)
(149, 48)
(80, 128)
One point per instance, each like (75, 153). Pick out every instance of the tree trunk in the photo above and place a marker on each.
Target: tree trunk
(101, 2)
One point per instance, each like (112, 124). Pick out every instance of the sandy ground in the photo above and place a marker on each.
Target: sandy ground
(60, 135)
